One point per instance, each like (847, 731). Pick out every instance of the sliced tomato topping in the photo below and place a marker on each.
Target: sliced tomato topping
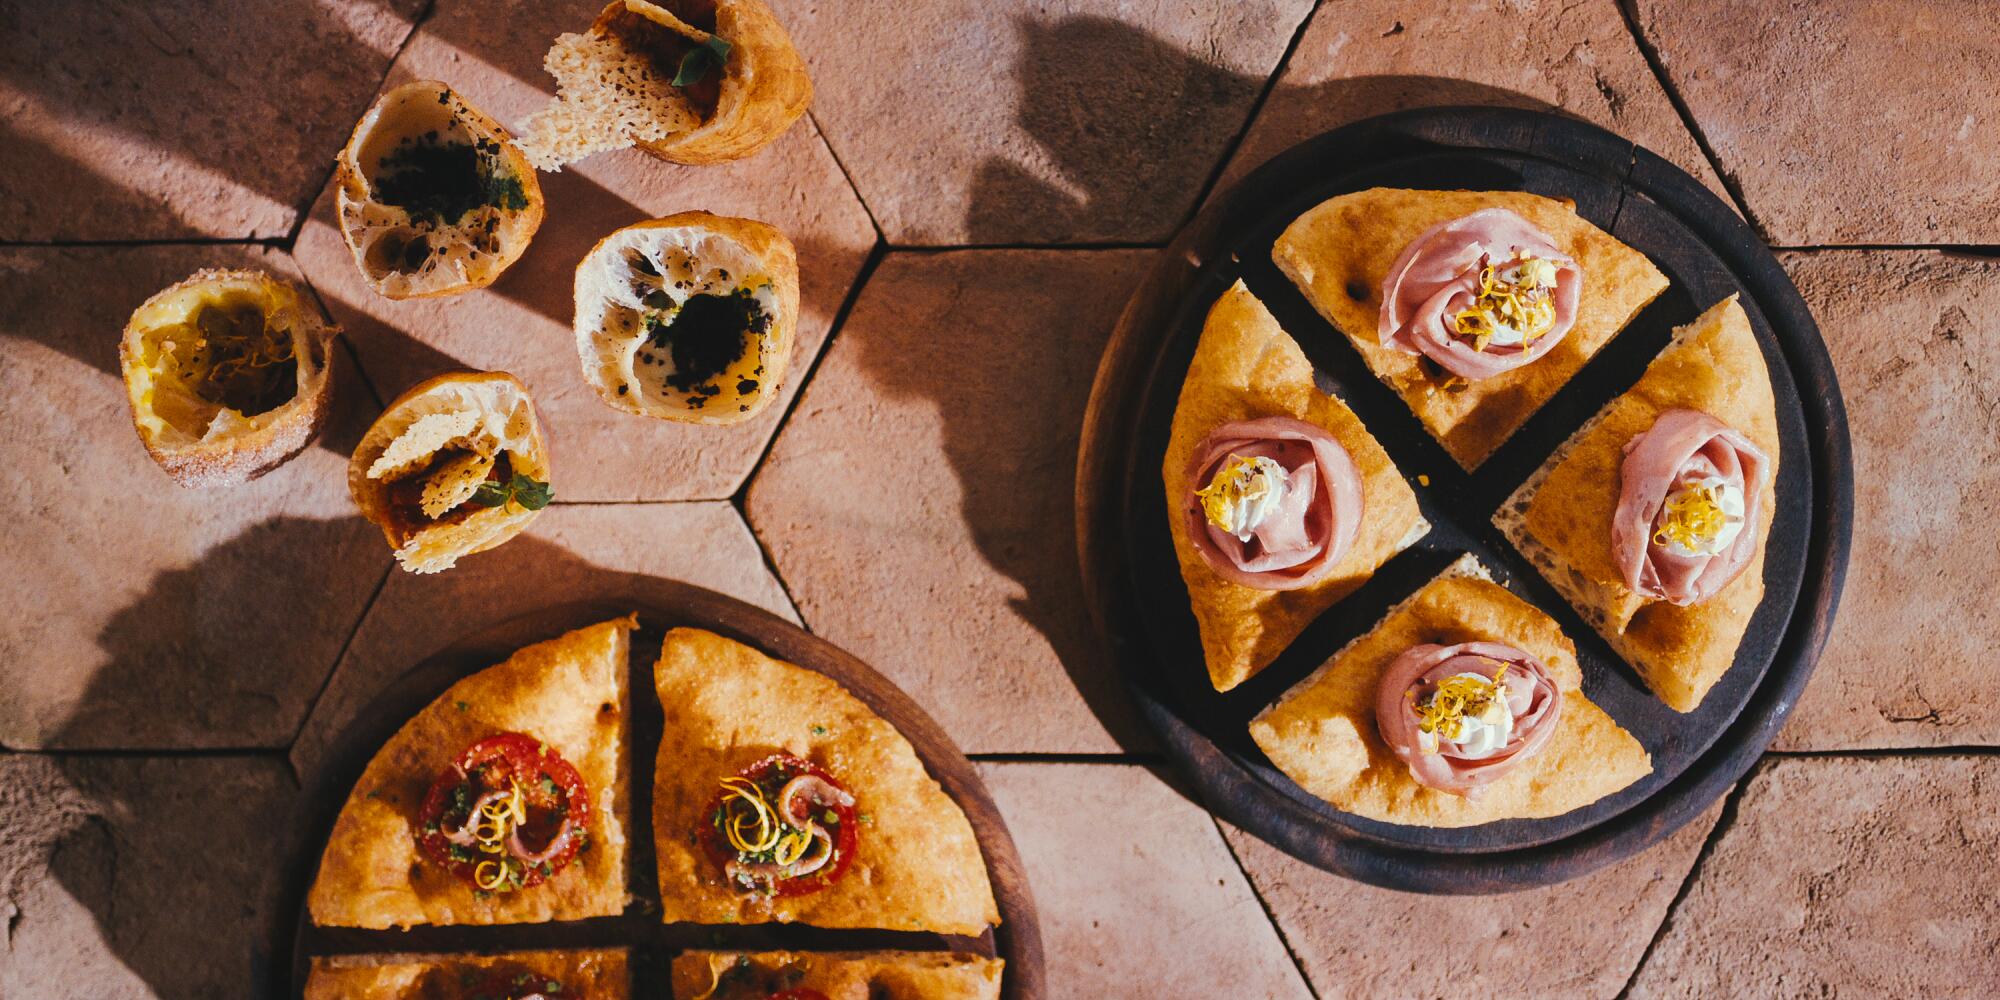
(781, 827)
(508, 813)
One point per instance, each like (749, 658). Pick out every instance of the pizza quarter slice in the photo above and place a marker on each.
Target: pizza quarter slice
(1475, 306)
(1651, 519)
(1279, 500)
(503, 801)
(596, 974)
(780, 796)
(1463, 705)
(877, 975)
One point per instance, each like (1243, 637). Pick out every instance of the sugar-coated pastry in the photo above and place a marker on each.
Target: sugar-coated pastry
(228, 375)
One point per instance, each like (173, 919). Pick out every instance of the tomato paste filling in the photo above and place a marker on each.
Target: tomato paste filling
(406, 494)
(507, 814)
(665, 49)
(781, 827)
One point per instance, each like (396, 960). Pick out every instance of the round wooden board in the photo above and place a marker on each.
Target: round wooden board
(1133, 581)
(661, 604)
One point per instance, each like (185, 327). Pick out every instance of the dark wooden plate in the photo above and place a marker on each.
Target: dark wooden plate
(661, 604)
(1134, 583)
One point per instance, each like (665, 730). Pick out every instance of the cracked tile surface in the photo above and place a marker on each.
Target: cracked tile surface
(190, 618)
(1359, 58)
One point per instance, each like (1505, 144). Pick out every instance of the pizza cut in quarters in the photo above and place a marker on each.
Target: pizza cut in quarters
(503, 801)
(779, 796)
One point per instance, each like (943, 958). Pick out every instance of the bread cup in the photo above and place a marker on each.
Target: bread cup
(689, 317)
(434, 197)
(434, 472)
(227, 375)
(616, 84)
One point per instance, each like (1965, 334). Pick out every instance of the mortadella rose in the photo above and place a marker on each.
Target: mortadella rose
(1461, 716)
(1480, 295)
(1273, 503)
(1688, 505)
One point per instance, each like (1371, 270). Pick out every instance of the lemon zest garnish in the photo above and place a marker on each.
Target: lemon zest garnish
(1236, 482)
(497, 879)
(1523, 304)
(1455, 698)
(760, 820)
(1691, 518)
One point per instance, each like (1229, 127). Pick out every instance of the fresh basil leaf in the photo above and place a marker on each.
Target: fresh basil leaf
(696, 65)
(530, 493)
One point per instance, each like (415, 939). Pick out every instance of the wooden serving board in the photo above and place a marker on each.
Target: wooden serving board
(661, 604)
(1134, 584)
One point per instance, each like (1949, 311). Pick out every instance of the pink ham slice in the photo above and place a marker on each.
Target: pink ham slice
(1531, 696)
(1682, 445)
(1437, 276)
(1312, 529)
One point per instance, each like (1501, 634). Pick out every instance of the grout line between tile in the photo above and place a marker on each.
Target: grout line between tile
(1235, 143)
(1277, 926)
(1890, 753)
(827, 141)
(804, 379)
(327, 681)
(267, 242)
(305, 212)
(1039, 757)
(1628, 10)
(770, 561)
(1723, 823)
(1970, 249)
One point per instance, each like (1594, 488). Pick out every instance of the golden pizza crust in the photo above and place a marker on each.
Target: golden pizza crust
(1322, 733)
(917, 865)
(1561, 518)
(568, 692)
(1246, 366)
(854, 975)
(1339, 252)
(583, 975)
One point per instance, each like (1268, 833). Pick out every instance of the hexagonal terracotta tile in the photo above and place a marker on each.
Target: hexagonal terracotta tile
(1889, 103)
(166, 121)
(919, 504)
(1844, 877)
(972, 122)
(157, 616)
(1365, 57)
(1580, 938)
(125, 877)
(570, 553)
(1148, 904)
(1915, 337)
(521, 323)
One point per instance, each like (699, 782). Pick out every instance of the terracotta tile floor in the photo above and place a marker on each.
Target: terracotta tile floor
(174, 660)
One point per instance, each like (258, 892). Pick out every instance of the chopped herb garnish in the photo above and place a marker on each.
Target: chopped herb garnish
(819, 730)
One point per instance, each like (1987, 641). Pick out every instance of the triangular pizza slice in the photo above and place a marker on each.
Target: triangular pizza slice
(780, 796)
(1249, 394)
(503, 801)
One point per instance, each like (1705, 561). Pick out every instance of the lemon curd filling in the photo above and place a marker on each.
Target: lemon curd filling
(1515, 305)
(1701, 518)
(1467, 710)
(1242, 494)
